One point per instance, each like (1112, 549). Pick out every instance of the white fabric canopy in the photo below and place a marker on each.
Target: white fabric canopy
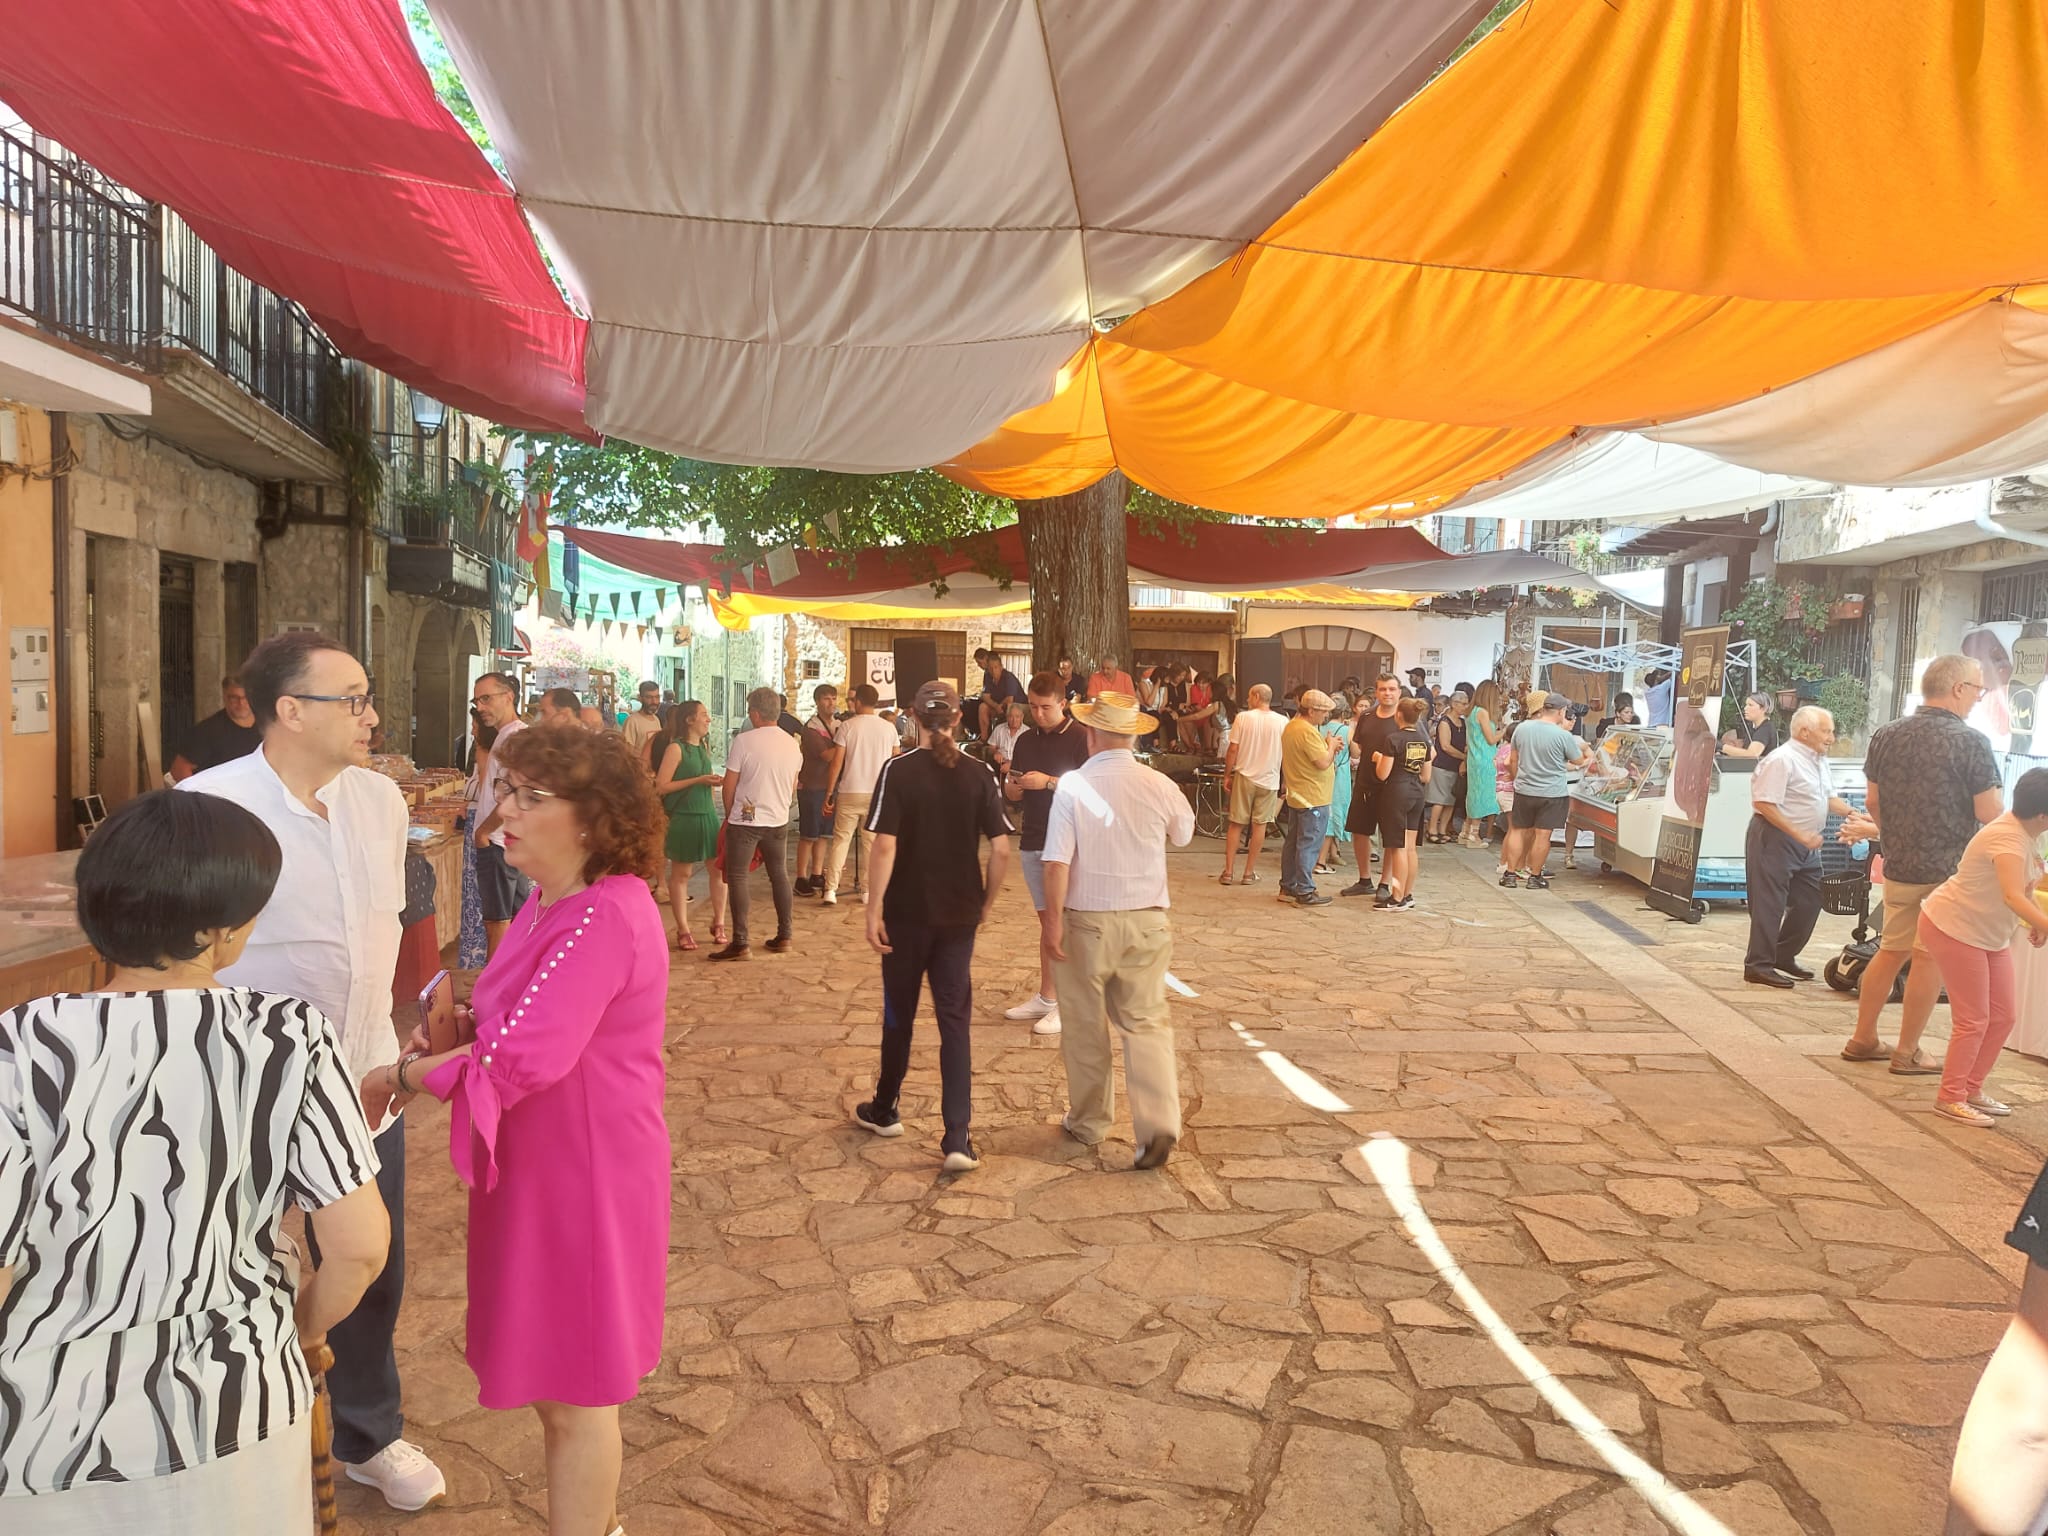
(860, 236)
(1621, 476)
(1962, 400)
(1467, 573)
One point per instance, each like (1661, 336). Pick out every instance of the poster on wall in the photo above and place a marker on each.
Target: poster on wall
(1694, 720)
(882, 676)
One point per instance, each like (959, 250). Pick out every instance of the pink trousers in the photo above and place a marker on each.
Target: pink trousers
(1980, 1005)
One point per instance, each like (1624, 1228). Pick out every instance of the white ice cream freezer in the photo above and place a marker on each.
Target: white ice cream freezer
(1621, 800)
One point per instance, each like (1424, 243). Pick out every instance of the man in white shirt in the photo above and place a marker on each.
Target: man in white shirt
(1251, 777)
(1105, 924)
(866, 742)
(760, 777)
(330, 935)
(644, 724)
(500, 889)
(1791, 796)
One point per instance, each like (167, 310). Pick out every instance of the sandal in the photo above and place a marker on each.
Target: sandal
(1921, 1065)
(1225, 879)
(686, 941)
(1247, 879)
(1877, 1052)
(719, 934)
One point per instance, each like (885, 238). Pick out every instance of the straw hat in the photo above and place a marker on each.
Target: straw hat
(1116, 713)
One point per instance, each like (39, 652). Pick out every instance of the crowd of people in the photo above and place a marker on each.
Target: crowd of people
(248, 1054)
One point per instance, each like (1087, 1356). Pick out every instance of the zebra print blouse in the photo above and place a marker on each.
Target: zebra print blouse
(148, 1143)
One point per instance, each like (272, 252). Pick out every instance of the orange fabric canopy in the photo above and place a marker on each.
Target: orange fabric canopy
(1610, 213)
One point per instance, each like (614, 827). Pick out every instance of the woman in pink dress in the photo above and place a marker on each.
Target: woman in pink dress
(557, 1126)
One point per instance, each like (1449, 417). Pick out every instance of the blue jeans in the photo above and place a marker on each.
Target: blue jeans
(1305, 832)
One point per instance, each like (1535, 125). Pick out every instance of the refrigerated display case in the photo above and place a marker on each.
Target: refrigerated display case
(1622, 797)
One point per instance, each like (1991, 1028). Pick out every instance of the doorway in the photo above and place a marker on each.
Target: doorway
(176, 590)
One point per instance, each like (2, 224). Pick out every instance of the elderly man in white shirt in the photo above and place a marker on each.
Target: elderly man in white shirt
(330, 935)
(1790, 797)
(1106, 927)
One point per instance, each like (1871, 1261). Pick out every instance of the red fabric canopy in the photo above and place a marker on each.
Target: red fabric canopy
(302, 139)
(1210, 555)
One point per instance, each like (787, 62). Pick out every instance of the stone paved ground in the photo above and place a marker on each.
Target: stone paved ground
(1768, 1272)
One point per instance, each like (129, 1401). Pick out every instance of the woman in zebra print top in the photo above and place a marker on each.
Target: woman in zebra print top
(151, 1375)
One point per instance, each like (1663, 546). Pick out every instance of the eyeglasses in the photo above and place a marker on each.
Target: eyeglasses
(528, 796)
(490, 693)
(356, 702)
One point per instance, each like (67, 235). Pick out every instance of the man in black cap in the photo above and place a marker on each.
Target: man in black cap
(927, 896)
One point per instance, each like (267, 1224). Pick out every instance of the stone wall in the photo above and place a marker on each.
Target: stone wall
(132, 501)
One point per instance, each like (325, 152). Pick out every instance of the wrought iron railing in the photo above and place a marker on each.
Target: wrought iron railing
(260, 339)
(77, 254)
(444, 506)
(90, 261)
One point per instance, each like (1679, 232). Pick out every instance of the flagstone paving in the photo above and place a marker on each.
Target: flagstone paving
(1766, 1271)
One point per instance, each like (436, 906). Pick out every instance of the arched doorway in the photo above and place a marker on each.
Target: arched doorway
(1323, 655)
(434, 705)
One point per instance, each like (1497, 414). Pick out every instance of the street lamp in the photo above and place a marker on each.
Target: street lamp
(427, 413)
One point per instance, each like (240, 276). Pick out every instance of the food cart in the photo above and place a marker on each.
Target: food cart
(1621, 799)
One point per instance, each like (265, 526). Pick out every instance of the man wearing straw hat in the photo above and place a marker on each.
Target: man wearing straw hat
(1104, 865)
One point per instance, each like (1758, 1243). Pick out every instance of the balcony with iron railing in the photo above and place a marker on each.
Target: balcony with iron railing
(88, 261)
(444, 526)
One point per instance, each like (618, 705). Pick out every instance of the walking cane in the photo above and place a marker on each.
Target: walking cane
(320, 1360)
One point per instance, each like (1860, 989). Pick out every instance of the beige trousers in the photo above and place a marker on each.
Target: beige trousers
(1115, 973)
(849, 812)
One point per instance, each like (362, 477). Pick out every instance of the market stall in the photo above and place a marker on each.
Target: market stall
(436, 798)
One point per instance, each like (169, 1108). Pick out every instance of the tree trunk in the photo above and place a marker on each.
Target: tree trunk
(1074, 548)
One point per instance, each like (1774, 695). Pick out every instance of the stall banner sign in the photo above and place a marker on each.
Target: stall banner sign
(1674, 874)
(1705, 651)
(882, 675)
(1695, 719)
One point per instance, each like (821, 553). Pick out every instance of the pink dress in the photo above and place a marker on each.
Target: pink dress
(558, 1132)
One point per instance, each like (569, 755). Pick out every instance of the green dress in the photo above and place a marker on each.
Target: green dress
(692, 815)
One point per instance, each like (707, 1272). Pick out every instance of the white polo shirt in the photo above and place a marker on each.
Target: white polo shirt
(870, 741)
(487, 790)
(1794, 778)
(330, 932)
(1110, 822)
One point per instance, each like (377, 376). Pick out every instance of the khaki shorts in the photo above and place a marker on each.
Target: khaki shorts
(1902, 901)
(1252, 803)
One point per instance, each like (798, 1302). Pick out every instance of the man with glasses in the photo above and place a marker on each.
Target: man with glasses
(500, 889)
(330, 935)
(1931, 781)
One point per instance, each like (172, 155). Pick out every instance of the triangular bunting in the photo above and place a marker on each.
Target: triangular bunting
(615, 605)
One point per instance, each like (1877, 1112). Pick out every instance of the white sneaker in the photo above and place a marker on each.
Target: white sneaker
(1049, 1024)
(1033, 1007)
(403, 1474)
(830, 898)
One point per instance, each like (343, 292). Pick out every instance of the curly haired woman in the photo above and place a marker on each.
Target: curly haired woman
(557, 1126)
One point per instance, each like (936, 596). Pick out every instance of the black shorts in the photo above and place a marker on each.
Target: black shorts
(2029, 1232)
(500, 889)
(1400, 811)
(1362, 820)
(1539, 812)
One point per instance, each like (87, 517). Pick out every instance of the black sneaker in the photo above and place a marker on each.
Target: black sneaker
(1509, 880)
(1538, 882)
(806, 884)
(882, 1123)
(1313, 899)
(966, 1160)
(1357, 888)
(1382, 890)
(1405, 904)
(1382, 901)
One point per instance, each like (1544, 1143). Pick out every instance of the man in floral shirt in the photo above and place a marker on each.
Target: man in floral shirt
(1932, 783)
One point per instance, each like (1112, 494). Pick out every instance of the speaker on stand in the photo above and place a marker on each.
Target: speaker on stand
(917, 663)
(1261, 661)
